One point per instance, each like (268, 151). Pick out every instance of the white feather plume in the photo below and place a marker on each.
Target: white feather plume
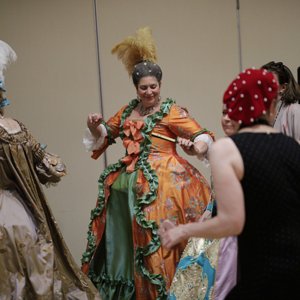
(7, 56)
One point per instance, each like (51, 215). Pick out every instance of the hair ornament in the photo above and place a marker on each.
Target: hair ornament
(135, 49)
(7, 56)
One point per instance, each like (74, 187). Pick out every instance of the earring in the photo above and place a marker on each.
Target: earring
(138, 98)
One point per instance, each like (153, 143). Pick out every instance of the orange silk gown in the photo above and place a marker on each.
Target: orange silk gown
(165, 185)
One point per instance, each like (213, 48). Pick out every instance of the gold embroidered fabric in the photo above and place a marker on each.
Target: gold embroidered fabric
(35, 262)
(195, 274)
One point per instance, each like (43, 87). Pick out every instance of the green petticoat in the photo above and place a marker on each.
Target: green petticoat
(112, 268)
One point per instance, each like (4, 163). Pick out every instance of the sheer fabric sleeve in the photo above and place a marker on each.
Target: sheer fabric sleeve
(90, 142)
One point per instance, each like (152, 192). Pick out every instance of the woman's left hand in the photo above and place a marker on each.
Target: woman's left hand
(171, 234)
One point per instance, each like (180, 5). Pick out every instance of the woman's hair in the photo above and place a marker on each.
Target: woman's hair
(146, 68)
(291, 93)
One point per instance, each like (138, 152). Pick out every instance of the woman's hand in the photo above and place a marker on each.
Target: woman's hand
(171, 234)
(186, 145)
(93, 121)
(199, 148)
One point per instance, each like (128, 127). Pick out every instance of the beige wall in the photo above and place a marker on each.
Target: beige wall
(54, 83)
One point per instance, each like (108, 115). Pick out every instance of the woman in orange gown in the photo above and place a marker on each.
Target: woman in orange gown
(150, 184)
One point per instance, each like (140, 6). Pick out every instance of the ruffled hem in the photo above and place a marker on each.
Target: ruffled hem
(114, 288)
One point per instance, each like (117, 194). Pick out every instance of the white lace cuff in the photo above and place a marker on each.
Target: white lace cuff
(206, 138)
(90, 142)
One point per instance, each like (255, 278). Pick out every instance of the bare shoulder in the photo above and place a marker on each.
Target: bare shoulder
(224, 153)
(223, 146)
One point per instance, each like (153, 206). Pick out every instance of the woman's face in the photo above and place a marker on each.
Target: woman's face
(281, 87)
(148, 90)
(229, 126)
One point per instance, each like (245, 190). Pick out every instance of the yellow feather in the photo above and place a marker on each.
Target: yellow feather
(134, 49)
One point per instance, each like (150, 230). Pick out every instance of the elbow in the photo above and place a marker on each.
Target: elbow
(231, 225)
(237, 226)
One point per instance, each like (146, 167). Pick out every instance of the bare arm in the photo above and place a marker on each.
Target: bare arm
(227, 171)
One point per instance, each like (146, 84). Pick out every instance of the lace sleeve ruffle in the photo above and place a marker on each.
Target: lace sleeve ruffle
(50, 169)
(90, 142)
(48, 166)
(206, 138)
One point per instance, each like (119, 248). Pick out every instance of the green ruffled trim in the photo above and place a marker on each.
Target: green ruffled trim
(105, 280)
(146, 199)
(149, 197)
(110, 137)
(91, 238)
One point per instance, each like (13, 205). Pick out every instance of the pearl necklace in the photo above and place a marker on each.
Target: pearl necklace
(143, 111)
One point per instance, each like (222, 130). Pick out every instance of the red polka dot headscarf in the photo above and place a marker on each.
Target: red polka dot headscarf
(250, 95)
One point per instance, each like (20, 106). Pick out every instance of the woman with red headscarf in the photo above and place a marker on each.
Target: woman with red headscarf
(256, 174)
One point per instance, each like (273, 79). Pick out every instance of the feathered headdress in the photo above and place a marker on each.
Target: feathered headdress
(7, 55)
(135, 49)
